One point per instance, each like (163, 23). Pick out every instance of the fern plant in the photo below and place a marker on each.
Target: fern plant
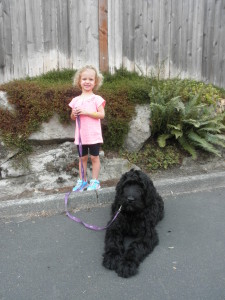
(193, 124)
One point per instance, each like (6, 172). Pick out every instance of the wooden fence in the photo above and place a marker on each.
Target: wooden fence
(183, 38)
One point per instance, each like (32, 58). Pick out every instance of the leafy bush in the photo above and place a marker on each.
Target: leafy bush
(54, 77)
(136, 87)
(186, 89)
(192, 123)
(34, 104)
(122, 91)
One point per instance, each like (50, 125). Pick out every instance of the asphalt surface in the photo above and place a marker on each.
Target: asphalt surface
(55, 258)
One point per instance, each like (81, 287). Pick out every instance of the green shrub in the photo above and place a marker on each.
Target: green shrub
(186, 89)
(115, 134)
(34, 104)
(136, 87)
(193, 123)
(122, 91)
(54, 77)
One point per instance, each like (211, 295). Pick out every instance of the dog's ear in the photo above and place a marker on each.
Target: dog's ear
(149, 189)
(119, 188)
(143, 180)
(120, 184)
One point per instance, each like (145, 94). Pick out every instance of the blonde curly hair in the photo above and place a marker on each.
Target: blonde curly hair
(98, 77)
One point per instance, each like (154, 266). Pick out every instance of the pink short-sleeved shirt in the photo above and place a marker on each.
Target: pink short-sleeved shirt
(90, 128)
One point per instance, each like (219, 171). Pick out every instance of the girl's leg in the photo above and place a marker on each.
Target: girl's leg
(95, 166)
(84, 161)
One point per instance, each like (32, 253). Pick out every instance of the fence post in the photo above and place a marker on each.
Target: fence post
(103, 35)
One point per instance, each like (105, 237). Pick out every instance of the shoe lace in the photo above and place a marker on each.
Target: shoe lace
(79, 182)
(94, 182)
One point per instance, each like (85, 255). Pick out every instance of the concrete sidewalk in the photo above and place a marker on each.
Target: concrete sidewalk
(54, 204)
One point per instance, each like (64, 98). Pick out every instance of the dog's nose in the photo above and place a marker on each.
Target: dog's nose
(130, 199)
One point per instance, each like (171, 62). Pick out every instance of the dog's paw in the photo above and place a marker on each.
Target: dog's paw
(127, 268)
(110, 261)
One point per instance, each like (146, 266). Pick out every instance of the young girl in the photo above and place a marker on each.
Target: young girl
(90, 109)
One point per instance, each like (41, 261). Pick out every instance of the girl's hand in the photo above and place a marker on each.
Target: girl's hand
(79, 111)
(74, 114)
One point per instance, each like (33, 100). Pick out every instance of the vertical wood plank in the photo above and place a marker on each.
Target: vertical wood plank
(221, 71)
(34, 42)
(207, 39)
(6, 66)
(63, 29)
(115, 34)
(140, 37)
(103, 35)
(84, 33)
(128, 35)
(111, 35)
(149, 55)
(92, 33)
(189, 30)
(164, 37)
(175, 45)
(216, 60)
(197, 40)
(81, 35)
(184, 38)
(50, 35)
(145, 38)
(74, 26)
(155, 37)
(19, 38)
(2, 47)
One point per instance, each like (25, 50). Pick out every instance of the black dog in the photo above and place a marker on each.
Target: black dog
(142, 208)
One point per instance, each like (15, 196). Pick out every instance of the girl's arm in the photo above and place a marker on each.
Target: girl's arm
(73, 115)
(100, 114)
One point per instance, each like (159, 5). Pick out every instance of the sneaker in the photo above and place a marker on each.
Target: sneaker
(80, 186)
(94, 185)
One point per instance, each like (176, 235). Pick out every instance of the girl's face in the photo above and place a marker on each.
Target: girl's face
(87, 80)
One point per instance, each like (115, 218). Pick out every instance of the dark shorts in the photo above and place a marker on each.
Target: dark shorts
(93, 150)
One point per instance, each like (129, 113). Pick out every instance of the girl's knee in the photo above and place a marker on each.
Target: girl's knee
(95, 158)
(84, 158)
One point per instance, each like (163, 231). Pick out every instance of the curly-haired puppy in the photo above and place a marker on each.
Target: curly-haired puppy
(142, 208)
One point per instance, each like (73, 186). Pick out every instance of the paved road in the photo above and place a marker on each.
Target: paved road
(55, 258)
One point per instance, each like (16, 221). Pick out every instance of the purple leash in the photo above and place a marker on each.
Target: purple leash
(80, 148)
(89, 226)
